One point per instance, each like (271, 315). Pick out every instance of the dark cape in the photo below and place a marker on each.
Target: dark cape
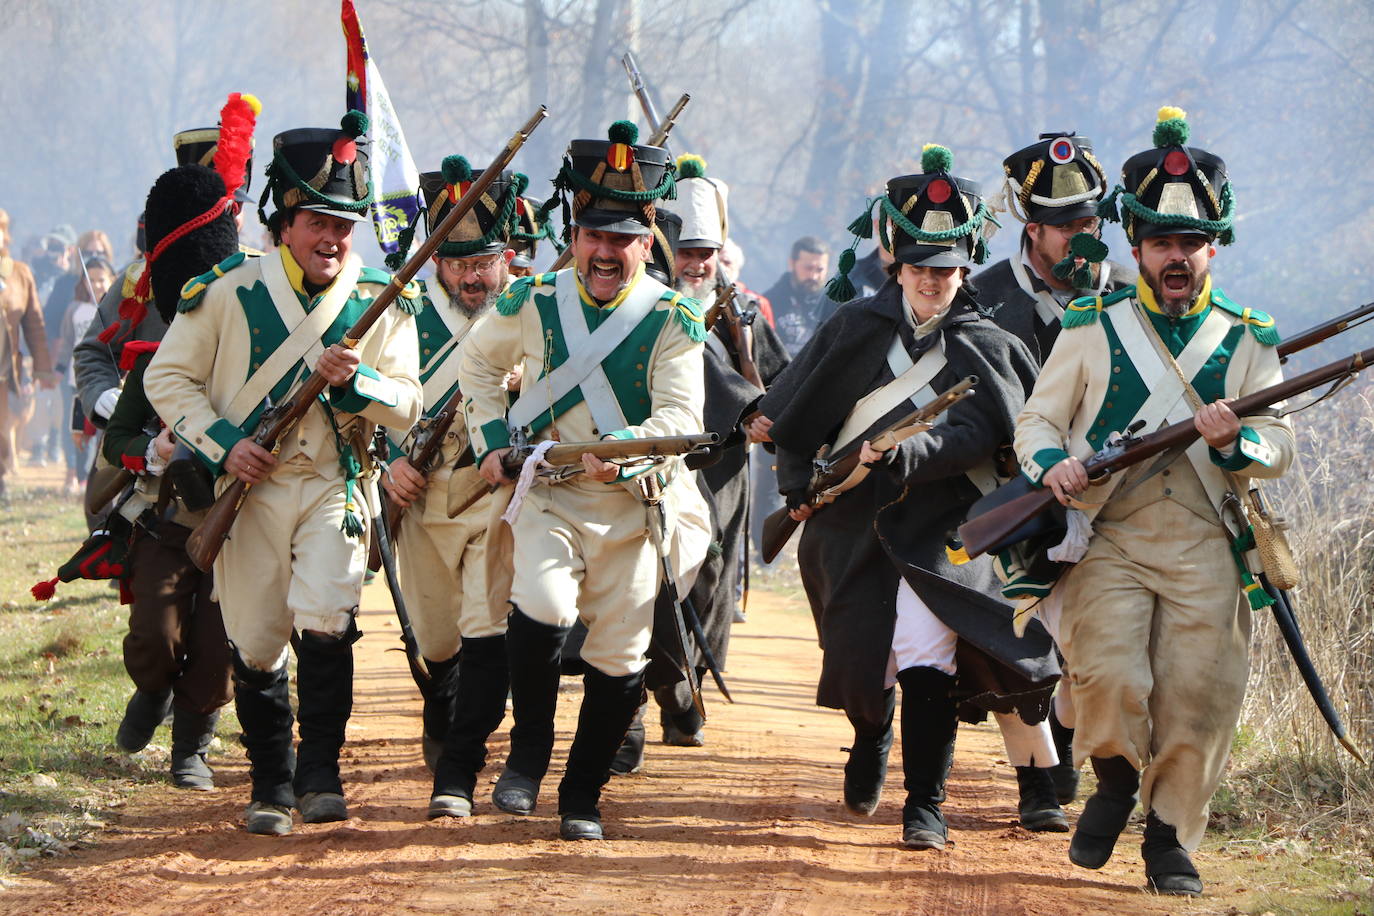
(1013, 309)
(898, 521)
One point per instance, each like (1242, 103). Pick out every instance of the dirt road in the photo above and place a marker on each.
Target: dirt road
(748, 824)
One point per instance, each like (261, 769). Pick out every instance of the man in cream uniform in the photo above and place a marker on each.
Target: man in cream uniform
(609, 353)
(440, 559)
(1155, 623)
(249, 332)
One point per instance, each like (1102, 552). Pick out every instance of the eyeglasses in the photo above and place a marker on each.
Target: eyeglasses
(461, 266)
(1090, 225)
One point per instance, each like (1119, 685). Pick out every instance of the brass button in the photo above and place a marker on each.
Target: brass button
(639, 366)
(1116, 387)
(1116, 369)
(1222, 360)
(639, 384)
(1101, 422)
(1116, 352)
(303, 443)
(257, 349)
(644, 349)
(1108, 405)
(1168, 492)
(425, 335)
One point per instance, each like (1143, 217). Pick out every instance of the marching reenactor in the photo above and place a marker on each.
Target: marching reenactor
(246, 334)
(1052, 187)
(1155, 623)
(891, 607)
(609, 353)
(175, 650)
(740, 354)
(441, 560)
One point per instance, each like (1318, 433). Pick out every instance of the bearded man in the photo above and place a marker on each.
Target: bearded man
(441, 560)
(610, 353)
(1155, 626)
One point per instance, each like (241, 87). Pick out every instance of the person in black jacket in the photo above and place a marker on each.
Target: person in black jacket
(890, 606)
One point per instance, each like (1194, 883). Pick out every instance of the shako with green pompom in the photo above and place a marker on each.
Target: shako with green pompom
(930, 219)
(484, 229)
(1173, 188)
(612, 185)
(322, 169)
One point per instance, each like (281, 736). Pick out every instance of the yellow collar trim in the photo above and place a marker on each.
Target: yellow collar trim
(294, 272)
(1147, 298)
(619, 297)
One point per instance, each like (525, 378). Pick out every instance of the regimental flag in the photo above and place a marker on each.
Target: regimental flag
(395, 180)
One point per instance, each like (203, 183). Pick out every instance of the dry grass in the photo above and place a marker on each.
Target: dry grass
(1289, 776)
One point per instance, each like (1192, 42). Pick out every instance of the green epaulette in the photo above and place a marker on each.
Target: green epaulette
(688, 313)
(1082, 312)
(1259, 323)
(409, 300)
(194, 289)
(515, 295)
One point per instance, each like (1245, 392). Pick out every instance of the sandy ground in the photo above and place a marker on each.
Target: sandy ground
(751, 823)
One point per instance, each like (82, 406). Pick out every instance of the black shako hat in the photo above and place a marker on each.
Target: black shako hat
(1055, 180)
(614, 184)
(1173, 188)
(486, 228)
(322, 169)
(197, 147)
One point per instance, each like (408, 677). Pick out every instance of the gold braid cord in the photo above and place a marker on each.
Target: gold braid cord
(1028, 186)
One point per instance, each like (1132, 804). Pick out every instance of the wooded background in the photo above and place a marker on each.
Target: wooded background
(803, 106)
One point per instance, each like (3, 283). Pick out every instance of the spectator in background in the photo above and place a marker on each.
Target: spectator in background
(77, 318)
(732, 262)
(20, 317)
(799, 303)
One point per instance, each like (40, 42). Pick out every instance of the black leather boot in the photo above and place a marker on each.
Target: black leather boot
(1039, 809)
(263, 702)
(630, 758)
(1064, 773)
(608, 706)
(682, 724)
(437, 711)
(866, 768)
(142, 716)
(324, 701)
(478, 708)
(534, 651)
(1106, 813)
(1168, 870)
(929, 724)
(191, 737)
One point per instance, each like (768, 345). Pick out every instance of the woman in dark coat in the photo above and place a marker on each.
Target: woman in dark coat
(889, 604)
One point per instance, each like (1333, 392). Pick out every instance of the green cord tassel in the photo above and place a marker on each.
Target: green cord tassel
(862, 227)
(841, 288)
(352, 469)
(397, 259)
(1087, 248)
(1107, 208)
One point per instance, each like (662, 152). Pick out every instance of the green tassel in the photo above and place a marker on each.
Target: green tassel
(1107, 208)
(980, 250)
(1082, 312)
(397, 259)
(840, 288)
(862, 227)
(687, 313)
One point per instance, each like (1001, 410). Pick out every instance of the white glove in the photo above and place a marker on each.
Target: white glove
(105, 404)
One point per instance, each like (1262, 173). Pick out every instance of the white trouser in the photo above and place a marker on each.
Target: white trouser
(921, 639)
(1050, 610)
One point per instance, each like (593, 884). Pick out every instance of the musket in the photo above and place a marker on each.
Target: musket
(658, 138)
(833, 476)
(428, 440)
(1000, 519)
(638, 88)
(384, 531)
(564, 460)
(740, 324)
(205, 541)
(1327, 329)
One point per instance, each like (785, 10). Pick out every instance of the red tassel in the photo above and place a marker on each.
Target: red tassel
(111, 331)
(45, 590)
